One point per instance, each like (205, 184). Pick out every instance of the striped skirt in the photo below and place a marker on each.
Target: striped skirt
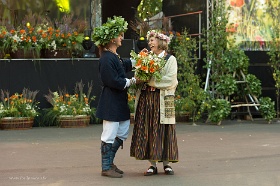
(150, 139)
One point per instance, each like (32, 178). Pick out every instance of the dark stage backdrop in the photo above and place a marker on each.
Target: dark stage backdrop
(171, 8)
(45, 75)
(125, 8)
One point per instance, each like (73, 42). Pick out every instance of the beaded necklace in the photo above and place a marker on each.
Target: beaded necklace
(107, 49)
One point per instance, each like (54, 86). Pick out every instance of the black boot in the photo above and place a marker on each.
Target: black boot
(106, 153)
(116, 145)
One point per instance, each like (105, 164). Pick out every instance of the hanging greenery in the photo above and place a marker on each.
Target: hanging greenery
(149, 8)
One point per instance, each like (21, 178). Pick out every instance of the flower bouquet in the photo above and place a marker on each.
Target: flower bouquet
(147, 65)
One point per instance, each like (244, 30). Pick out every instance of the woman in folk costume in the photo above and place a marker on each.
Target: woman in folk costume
(113, 103)
(154, 136)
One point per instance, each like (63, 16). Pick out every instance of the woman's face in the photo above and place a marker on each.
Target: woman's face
(153, 44)
(118, 41)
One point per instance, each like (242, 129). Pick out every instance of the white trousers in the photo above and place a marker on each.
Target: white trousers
(112, 129)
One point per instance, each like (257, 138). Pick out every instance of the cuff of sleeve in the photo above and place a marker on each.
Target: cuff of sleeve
(127, 84)
(133, 62)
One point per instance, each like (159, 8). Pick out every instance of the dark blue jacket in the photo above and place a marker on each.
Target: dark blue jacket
(113, 102)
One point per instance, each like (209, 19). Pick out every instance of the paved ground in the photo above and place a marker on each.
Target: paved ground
(237, 153)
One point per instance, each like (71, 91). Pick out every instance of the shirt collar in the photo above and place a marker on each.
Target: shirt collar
(161, 54)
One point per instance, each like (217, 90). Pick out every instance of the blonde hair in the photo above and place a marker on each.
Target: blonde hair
(162, 44)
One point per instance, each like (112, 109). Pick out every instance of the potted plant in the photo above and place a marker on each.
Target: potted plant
(60, 42)
(23, 42)
(217, 109)
(267, 109)
(70, 110)
(17, 111)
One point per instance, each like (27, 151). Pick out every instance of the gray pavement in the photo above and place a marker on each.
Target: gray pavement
(237, 153)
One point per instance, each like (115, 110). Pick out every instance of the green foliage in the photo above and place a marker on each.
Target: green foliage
(234, 60)
(267, 108)
(217, 109)
(189, 93)
(253, 85)
(109, 30)
(227, 62)
(216, 36)
(149, 8)
(274, 54)
(226, 85)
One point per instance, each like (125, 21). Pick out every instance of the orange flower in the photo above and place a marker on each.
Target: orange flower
(40, 31)
(139, 62)
(34, 39)
(152, 70)
(14, 96)
(28, 39)
(44, 35)
(50, 29)
(143, 54)
(86, 100)
(22, 31)
(144, 68)
(237, 3)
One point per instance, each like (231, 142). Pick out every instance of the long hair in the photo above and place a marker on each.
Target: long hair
(101, 48)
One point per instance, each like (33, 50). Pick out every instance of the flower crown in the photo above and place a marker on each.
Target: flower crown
(157, 34)
(109, 30)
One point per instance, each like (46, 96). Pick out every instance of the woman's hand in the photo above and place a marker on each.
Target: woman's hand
(145, 50)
